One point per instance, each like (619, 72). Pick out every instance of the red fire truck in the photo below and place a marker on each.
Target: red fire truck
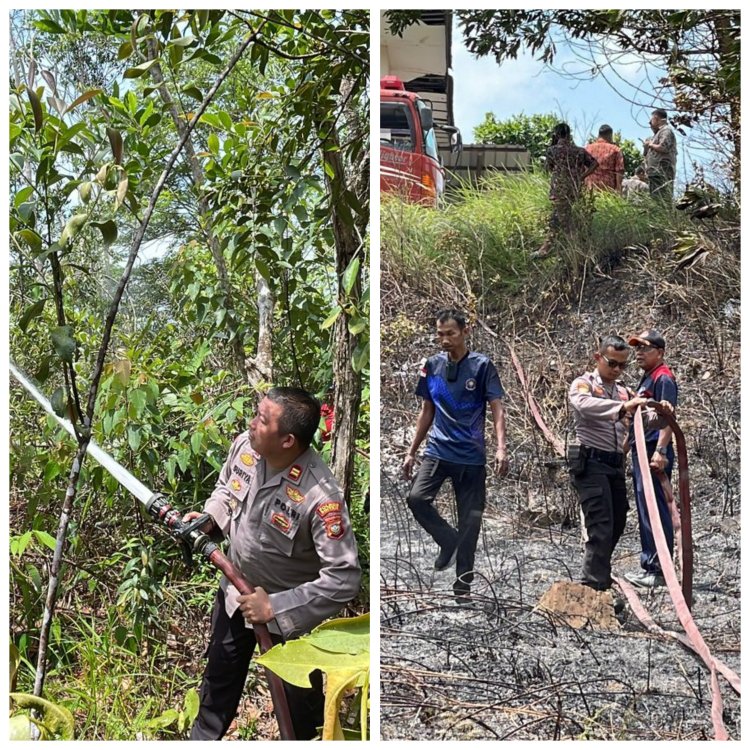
(409, 161)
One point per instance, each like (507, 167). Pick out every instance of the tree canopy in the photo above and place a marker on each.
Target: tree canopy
(697, 50)
(188, 221)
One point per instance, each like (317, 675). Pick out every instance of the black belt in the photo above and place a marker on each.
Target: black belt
(612, 458)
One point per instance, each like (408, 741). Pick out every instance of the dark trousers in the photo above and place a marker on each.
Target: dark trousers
(469, 486)
(649, 557)
(604, 502)
(229, 652)
(661, 186)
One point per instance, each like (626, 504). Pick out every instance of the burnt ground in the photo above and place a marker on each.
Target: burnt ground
(498, 669)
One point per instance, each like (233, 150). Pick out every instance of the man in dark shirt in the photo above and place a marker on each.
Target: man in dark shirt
(568, 165)
(657, 384)
(456, 386)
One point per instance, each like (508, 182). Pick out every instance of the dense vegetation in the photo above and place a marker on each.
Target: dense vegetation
(533, 133)
(188, 221)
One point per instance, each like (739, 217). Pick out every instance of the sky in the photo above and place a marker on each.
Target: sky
(525, 86)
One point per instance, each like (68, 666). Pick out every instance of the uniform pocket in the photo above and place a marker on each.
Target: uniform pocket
(594, 503)
(277, 534)
(577, 457)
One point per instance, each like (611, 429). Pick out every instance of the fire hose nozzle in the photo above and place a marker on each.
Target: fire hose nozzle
(190, 535)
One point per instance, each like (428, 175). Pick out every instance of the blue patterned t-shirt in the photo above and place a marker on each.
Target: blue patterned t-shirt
(457, 432)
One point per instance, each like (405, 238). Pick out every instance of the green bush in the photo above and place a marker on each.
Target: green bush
(489, 232)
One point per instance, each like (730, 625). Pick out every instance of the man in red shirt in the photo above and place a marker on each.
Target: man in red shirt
(611, 162)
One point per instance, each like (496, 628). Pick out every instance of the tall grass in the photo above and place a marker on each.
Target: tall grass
(488, 232)
(117, 691)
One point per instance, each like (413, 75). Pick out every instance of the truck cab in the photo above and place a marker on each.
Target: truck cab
(410, 165)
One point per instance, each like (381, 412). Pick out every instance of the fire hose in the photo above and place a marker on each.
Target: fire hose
(681, 595)
(190, 536)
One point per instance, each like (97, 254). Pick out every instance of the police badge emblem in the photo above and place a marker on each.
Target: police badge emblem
(294, 494)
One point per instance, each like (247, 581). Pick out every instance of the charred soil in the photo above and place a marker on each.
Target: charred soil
(498, 668)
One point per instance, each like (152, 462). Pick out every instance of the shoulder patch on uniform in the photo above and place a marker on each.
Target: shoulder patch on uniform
(583, 387)
(295, 472)
(334, 527)
(327, 507)
(294, 494)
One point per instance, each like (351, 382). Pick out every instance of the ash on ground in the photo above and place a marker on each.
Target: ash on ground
(499, 668)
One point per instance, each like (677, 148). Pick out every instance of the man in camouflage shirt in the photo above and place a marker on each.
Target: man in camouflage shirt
(569, 165)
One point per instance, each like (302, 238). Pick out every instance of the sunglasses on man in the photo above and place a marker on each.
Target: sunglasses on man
(614, 364)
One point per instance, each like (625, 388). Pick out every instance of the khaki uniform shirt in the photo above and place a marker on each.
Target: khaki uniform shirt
(289, 534)
(664, 163)
(596, 407)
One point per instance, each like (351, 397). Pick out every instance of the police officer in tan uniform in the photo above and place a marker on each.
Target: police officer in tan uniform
(601, 408)
(289, 532)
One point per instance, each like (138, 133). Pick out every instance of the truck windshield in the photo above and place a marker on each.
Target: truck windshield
(396, 126)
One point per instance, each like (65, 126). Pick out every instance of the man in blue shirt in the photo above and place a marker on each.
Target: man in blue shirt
(455, 386)
(657, 384)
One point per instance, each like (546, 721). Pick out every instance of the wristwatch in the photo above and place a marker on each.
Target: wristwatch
(661, 450)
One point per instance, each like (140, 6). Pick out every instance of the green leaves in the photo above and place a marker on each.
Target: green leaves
(59, 403)
(139, 70)
(56, 722)
(36, 108)
(72, 228)
(341, 649)
(33, 311)
(350, 276)
(63, 343)
(108, 229)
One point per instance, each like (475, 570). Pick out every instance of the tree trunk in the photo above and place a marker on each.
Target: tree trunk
(347, 382)
(259, 369)
(207, 226)
(728, 58)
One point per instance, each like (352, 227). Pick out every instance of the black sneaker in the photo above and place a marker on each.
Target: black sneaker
(446, 558)
(462, 591)
(618, 603)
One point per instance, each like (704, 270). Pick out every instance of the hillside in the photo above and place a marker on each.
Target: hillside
(498, 669)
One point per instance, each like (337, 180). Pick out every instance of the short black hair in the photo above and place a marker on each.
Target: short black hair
(659, 112)
(300, 415)
(605, 130)
(612, 342)
(561, 130)
(450, 314)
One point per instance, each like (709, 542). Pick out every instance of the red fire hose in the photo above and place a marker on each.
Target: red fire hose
(196, 540)
(681, 595)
